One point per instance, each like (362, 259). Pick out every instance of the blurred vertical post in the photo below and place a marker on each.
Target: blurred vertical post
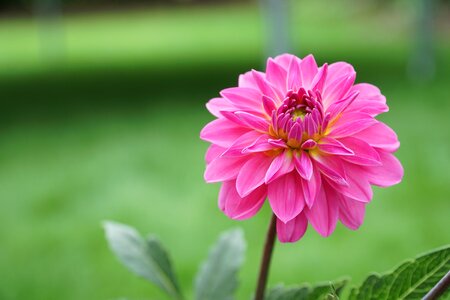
(422, 64)
(50, 27)
(277, 38)
(276, 26)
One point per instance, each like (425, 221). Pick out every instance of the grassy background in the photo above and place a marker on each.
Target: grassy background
(109, 130)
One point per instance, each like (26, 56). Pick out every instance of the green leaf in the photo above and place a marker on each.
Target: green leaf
(217, 277)
(144, 257)
(325, 291)
(411, 280)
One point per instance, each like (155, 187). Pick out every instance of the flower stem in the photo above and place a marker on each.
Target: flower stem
(439, 288)
(265, 261)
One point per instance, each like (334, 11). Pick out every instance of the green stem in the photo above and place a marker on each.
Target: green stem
(265, 261)
(439, 288)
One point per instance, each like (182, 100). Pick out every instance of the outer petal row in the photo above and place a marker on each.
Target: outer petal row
(222, 132)
(323, 215)
(293, 230)
(236, 207)
(286, 197)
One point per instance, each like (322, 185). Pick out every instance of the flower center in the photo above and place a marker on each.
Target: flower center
(300, 119)
(298, 113)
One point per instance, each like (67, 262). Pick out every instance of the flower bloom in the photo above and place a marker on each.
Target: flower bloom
(306, 138)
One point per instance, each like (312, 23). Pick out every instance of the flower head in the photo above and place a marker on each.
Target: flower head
(305, 138)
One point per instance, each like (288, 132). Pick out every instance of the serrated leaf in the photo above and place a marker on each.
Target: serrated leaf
(217, 277)
(144, 257)
(323, 291)
(411, 280)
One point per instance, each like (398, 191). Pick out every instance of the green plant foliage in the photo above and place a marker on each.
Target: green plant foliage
(411, 280)
(144, 257)
(328, 291)
(217, 277)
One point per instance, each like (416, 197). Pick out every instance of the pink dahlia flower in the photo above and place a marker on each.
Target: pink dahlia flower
(304, 137)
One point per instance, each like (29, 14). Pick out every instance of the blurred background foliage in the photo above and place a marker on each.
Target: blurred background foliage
(101, 104)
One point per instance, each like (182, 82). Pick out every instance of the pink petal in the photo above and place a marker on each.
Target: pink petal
(316, 116)
(308, 70)
(241, 143)
(231, 116)
(281, 122)
(286, 197)
(309, 144)
(367, 106)
(293, 230)
(222, 132)
(341, 105)
(380, 136)
(284, 60)
(309, 125)
(246, 80)
(253, 121)
(319, 80)
(252, 174)
(303, 164)
(260, 145)
(278, 143)
(238, 208)
(282, 164)
(358, 186)
(390, 173)
(215, 105)
(331, 167)
(323, 214)
(332, 146)
(311, 188)
(295, 134)
(276, 75)
(351, 212)
(350, 123)
(364, 154)
(368, 91)
(269, 105)
(370, 100)
(223, 168)
(337, 89)
(294, 74)
(265, 87)
(213, 152)
(243, 98)
(337, 70)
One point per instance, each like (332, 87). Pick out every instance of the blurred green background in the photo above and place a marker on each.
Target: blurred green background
(101, 109)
